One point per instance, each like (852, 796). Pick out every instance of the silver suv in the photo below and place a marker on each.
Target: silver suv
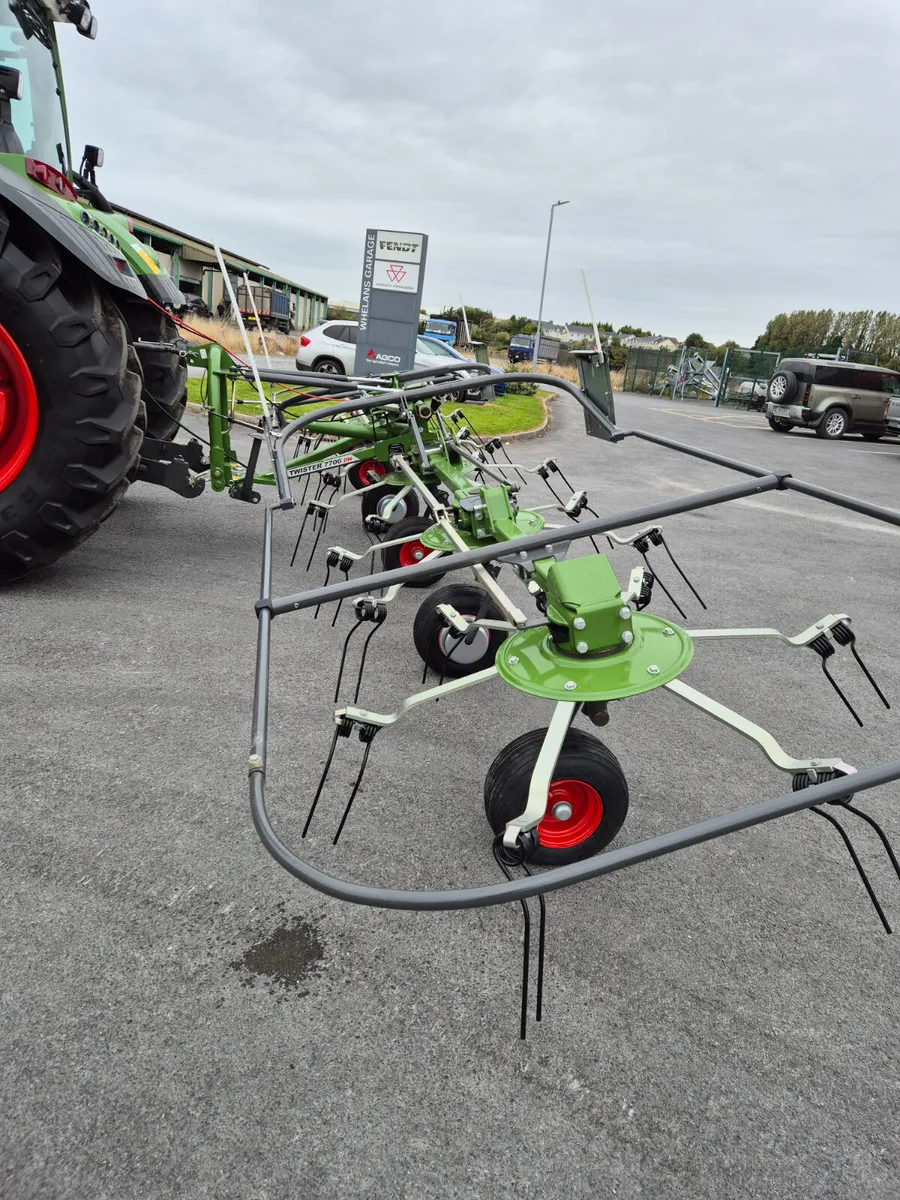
(833, 398)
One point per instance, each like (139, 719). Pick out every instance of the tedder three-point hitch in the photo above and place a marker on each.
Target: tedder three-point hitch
(439, 501)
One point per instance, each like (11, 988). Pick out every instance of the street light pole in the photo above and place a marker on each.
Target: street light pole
(537, 340)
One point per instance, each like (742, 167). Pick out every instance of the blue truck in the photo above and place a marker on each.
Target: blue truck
(441, 330)
(274, 307)
(521, 348)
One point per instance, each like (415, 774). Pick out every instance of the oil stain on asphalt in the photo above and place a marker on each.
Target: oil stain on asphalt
(284, 959)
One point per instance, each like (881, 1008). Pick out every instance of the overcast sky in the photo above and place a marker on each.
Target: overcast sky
(724, 159)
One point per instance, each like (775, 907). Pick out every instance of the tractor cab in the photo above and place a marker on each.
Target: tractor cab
(34, 134)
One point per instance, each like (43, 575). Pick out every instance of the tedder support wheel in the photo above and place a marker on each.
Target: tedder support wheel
(165, 371)
(588, 797)
(366, 472)
(411, 553)
(376, 504)
(447, 652)
(70, 401)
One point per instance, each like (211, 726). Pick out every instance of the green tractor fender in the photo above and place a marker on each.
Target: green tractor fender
(103, 258)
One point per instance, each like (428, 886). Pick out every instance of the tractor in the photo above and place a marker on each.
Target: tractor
(93, 378)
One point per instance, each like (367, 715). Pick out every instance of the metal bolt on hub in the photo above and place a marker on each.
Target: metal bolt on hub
(653, 669)
(562, 810)
(571, 685)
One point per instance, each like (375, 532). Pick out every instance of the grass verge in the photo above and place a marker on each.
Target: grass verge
(507, 414)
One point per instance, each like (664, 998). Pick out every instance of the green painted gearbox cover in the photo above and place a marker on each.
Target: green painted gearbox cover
(532, 663)
(435, 538)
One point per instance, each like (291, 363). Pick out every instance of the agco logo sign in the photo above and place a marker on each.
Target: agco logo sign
(392, 360)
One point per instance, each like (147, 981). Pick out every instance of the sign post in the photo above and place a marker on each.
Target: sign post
(390, 301)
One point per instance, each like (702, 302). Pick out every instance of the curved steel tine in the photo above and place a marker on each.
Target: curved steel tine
(859, 867)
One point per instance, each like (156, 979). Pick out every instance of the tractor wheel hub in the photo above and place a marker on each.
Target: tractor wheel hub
(18, 410)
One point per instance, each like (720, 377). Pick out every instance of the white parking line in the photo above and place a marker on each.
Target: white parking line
(716, 418)
(822, 517)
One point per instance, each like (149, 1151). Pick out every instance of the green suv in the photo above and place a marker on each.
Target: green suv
(833, 398)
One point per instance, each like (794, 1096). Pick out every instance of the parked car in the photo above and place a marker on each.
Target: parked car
(833, 398)
(429, 345)
(892, 417)
(331, 349)
(753, 392)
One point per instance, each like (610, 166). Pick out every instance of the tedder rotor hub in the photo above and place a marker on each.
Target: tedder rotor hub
(596, 647)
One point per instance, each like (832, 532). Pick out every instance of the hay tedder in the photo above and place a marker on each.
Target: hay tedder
(436, 498)
(92, 379)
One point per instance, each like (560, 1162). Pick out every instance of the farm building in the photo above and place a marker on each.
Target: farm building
(192, 263)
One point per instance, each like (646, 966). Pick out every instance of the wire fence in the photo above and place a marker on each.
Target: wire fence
(647, 369)
(745, 377)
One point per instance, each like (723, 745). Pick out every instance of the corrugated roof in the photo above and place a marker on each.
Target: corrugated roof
(204, 251)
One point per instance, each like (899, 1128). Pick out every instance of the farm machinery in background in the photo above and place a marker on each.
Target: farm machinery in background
(262, 305)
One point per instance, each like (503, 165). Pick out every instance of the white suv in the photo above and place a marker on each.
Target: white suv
(331, 349)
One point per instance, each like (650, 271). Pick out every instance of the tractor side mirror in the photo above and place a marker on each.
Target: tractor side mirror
(80, 15)
(10, 84)
(92, 157)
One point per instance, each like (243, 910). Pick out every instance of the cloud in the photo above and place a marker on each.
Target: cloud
(723, 162)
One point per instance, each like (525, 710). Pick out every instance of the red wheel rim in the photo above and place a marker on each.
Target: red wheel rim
(412, 553)
(18, 410)
(371, 471)
(587, 813)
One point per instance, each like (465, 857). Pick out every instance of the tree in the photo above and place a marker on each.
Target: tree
(635, 331)
(617, 354)
(805, 331)
(695, 341)
(602, 326)
(720, 351)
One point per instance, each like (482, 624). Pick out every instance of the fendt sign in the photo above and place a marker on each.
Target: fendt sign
(390, 301)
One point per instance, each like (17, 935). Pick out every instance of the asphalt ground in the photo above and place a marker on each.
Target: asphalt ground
(180, 1018)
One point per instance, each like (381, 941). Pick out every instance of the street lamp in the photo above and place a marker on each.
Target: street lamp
(537, 340)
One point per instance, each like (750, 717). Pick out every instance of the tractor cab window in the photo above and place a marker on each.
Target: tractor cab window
(36, 118)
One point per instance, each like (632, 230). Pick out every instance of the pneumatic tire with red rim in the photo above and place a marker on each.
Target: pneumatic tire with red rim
(588, 779)
(448, 653)
(68, 463)
(366, 472)
(411, 553)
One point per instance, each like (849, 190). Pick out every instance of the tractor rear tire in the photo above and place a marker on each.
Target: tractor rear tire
(71, 391)
(165, 372)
